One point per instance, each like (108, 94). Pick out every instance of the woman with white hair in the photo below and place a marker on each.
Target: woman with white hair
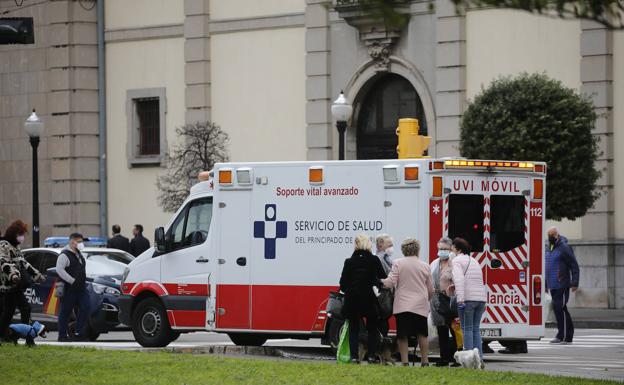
(414, 288)
(360, 273)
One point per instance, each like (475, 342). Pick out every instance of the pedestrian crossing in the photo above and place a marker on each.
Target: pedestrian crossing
(590, 341)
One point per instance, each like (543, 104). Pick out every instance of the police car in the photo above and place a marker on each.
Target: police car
(104, 269)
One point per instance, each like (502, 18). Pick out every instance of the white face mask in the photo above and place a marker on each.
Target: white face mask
(444, 254)
(80, 246)
(20, 239)
(390, 250)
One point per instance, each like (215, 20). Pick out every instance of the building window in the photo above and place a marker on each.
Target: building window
(388, 98)
(146, 110)
(148, 126)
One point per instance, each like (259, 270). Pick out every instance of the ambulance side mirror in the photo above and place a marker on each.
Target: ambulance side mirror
(159, 239)
(496, 263)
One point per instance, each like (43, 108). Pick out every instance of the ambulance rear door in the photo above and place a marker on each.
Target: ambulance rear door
(491, 211)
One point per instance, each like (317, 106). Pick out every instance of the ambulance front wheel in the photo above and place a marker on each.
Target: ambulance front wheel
(150, 324)
(243, 339)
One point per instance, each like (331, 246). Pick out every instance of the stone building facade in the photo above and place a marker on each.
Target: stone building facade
(267, 72)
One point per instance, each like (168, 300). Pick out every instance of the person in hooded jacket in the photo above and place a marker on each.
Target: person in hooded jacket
(361, 272)
(562, 276)
(16, 275)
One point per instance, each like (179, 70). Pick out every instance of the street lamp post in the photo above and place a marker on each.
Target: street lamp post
(34, 128)
(341, 111)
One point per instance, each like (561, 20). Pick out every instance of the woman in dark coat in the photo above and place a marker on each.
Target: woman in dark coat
(360, 273)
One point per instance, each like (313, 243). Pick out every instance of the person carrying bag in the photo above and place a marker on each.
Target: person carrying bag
(442, 312)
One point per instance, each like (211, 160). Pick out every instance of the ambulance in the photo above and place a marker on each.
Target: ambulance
(256, 247)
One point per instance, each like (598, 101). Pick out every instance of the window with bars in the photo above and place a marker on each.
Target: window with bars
(146, 110)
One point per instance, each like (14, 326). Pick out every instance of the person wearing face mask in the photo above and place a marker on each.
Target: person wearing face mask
(70, 267)
(562, 276)
(16, 275)
(442, 273)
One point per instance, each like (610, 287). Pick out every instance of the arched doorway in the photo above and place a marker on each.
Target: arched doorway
(385, 100)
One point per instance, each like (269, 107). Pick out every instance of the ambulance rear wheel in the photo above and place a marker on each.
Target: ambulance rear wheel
(247, 339)
(150, 324)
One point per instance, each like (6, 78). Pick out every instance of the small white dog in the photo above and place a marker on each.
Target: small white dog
(469, 359)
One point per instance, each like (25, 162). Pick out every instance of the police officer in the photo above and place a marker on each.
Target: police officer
(70, 267)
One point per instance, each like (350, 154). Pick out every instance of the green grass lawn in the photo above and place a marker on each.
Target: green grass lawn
(59, 365)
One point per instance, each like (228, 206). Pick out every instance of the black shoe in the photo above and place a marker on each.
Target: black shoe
(455, 365)
(513, 351)
(80, 338)
(424, 364)
(442, 363)
(63, 339)
(355, 361)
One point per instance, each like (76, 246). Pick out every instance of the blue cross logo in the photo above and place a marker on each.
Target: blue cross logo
(260, 230)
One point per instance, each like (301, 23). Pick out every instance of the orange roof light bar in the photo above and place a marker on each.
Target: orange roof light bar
(459, 163)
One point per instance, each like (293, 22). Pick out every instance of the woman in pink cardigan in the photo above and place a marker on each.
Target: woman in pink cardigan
(414, 287)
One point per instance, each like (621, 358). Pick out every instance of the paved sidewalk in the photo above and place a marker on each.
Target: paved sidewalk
(596, 318)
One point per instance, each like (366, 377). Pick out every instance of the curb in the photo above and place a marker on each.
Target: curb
(267, 351)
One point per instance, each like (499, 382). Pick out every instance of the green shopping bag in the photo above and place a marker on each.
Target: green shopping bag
(343, 355)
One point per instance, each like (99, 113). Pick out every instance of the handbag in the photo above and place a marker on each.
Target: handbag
(445, 308)
(335, 305)
(386, 302)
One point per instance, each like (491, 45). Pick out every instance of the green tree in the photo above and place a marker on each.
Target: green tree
(606, 12)
(201, 145)
(535, 118)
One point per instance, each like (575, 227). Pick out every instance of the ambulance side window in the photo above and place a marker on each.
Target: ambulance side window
(177, 229)
(191, 227)
(466, 219)
(198, 222)
(507, 222)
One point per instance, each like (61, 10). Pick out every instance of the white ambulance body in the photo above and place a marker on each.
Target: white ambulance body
(255, 251)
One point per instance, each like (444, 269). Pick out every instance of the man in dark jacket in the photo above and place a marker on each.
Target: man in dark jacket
(118, 241)
(71, 268)
(562, 275)
(139, 243)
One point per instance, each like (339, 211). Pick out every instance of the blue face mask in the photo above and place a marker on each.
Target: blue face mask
(444, 254)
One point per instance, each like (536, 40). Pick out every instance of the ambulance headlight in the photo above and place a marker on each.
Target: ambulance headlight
(103, 289)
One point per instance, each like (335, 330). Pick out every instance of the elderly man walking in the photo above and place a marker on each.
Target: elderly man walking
(562, 275)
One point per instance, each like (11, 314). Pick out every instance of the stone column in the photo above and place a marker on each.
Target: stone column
(319, 128)
(197, 59)
(597, 252)
(73, 124)
(450, 77)
(24, 86)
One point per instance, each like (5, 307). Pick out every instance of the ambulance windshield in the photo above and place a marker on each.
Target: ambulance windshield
(507, 222)
(466, 219)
